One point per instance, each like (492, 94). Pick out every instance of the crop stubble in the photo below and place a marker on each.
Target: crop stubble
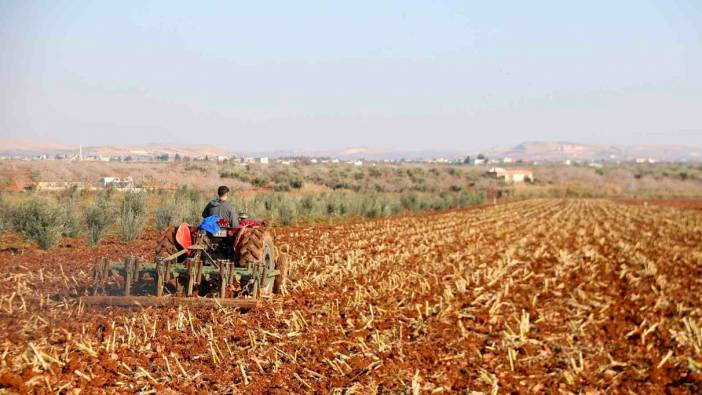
(534, 296)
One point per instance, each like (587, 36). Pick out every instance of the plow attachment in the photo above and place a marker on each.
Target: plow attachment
(190, 277)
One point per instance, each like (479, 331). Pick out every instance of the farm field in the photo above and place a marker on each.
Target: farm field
(682, 203)
(536, 296)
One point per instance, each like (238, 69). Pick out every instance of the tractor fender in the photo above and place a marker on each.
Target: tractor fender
(183, 236)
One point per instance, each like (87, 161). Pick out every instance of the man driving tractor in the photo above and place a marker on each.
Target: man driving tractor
(221, 208)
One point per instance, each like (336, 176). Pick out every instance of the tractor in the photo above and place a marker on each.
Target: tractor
(229, 266)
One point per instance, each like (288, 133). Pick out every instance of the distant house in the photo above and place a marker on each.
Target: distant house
(117, 182)
(97, 158)
(512, 175)
(262, 160)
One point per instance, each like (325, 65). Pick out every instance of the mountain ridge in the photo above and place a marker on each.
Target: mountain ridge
(527, 151)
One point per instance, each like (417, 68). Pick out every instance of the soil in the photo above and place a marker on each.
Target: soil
(683, 203)
(539, 296)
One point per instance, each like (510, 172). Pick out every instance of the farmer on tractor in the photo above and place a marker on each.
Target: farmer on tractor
(221, 208)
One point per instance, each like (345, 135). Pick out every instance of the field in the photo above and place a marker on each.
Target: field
(535, 296)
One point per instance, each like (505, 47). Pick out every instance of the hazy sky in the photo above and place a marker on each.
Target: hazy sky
(261, 75)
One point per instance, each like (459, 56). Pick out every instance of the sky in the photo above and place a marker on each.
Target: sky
(311, 75)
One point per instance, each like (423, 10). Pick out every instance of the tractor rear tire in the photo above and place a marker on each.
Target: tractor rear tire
(269, 261)
(252, 243)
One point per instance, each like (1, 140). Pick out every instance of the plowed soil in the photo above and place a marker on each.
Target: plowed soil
(541, 296)
(685, 203)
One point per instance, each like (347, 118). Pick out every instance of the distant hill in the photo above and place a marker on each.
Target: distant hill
(528, 151)
(8, 145)
(534, 151)
(558, 151)
(156, 149)
(14, 147)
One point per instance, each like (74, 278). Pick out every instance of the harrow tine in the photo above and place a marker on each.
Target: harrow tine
(99, 275)
(191, 278)
(160, 276)
(130, 265)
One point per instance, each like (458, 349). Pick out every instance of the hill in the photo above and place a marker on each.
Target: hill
(527, 151)
(559, 151)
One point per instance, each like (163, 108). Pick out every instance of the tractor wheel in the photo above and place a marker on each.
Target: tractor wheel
(251, 246)
(268, 260)
(167, 244)
(281, 279)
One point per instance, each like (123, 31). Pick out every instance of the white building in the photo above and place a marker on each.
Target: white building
(117, 182)
(512, 175)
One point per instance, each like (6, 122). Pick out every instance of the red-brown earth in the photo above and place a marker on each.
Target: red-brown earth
(540, 296)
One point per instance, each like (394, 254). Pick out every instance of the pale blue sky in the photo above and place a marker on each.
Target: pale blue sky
(314, 75)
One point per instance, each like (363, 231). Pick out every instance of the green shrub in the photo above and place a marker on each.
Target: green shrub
(196, 167)
(307, 205)
(286, 213)
(165, 215)
(99, 216)
(133, 214)
(4, 214)
(40, 220)
(72, 220)
(235, 173)
(260, 181)
(190, 203)
(184, 206)
(281, 187)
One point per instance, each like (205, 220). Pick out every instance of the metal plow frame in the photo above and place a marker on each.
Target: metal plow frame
(193, 270)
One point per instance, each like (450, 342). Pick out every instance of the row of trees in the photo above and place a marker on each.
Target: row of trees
(47, 218)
